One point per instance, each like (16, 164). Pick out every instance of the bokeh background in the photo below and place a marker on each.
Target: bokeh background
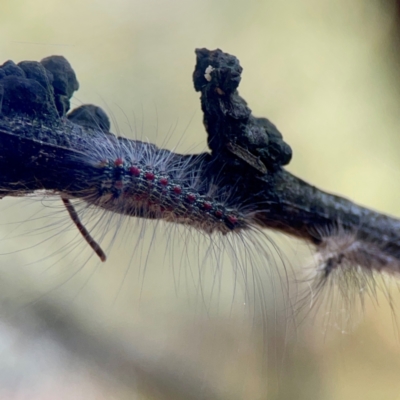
(327, 74)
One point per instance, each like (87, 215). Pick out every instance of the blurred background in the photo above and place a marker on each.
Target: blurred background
(162, 319)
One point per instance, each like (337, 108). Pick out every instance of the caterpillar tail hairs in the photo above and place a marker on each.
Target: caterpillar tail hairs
(239, 186)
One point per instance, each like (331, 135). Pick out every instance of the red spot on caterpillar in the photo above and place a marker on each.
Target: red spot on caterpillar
(191, 197)
(218, 214)
(232, 219)
(135, 171)
(177, 190)
(207, 205)
(149, 176)
(164, 181)
(118, 162)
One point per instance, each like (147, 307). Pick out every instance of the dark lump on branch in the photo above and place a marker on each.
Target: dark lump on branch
(230, 125)
(40, 90)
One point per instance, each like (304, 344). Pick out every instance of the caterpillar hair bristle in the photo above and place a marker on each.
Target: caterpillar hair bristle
(346, 271)
(345, 249)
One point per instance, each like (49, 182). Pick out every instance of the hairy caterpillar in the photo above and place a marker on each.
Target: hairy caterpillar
(137, 179)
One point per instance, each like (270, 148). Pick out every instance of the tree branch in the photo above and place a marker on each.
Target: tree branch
(43, 148)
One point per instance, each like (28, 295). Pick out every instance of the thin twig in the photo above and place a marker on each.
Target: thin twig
(85, 233)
